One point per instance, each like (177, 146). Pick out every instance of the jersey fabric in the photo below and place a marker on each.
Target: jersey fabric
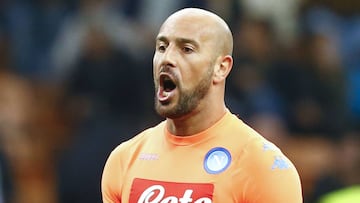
(228, 162)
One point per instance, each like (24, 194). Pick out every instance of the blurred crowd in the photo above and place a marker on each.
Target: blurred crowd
(76, 80)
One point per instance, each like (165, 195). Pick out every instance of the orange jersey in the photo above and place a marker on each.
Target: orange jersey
(226, 163)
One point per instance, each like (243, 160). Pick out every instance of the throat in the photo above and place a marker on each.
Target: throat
(193, 123)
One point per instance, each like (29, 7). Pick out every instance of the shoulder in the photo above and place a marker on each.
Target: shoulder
(251, 149)
(270, 172)
(238, 126)
(267, 154)
(253, 143)
(240, 135)
(269, 175)
(121, 157)
(130, 146)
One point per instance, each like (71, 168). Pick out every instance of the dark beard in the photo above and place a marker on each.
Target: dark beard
(188, 100)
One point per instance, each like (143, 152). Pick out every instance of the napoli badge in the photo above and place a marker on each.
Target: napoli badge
(217, 160)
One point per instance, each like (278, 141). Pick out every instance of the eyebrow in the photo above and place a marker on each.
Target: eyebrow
(179, 40)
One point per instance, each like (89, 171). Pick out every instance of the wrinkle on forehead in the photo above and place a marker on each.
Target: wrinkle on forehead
(206, 22)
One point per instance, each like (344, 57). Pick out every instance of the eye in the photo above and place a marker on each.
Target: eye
(161, 48)
(188, 49)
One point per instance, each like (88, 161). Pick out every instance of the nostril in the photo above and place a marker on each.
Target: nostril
(170, 64)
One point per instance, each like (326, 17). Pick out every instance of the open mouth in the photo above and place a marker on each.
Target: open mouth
(166, 88)
(167, 83)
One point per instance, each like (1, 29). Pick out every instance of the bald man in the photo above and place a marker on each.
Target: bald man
(201, 152)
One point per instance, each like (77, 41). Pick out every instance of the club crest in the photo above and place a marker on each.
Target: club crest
(217, 160)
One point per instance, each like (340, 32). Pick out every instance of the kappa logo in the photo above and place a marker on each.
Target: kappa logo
(280, 163)
(267, 146)
(217, 160)
(151, 191)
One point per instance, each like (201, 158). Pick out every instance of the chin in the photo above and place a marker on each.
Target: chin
(172, 113)
(165, 112)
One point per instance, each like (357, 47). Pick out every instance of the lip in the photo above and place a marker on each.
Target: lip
(163, 96)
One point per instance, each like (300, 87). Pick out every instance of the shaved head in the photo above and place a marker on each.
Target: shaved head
(207, 22)
(191, 62)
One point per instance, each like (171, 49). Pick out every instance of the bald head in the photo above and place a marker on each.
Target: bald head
(206, 22)
(193, 49)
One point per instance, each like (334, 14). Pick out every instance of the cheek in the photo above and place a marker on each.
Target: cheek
(190, 78)
(155, 62)
(196, 71)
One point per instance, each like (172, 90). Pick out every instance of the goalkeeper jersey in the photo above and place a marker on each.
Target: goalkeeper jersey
(227, 163)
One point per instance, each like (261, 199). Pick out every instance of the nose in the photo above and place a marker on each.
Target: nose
(169, 57)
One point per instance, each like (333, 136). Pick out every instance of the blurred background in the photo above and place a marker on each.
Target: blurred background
(76, 80)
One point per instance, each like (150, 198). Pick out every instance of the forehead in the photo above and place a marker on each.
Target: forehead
(190, 27)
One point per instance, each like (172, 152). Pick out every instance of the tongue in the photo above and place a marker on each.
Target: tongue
(163, 95)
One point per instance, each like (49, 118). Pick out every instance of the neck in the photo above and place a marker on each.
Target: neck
(196, 121)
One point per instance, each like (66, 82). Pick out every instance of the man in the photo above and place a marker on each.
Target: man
(201, 153)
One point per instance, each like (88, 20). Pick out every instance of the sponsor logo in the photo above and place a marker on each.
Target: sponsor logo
(217, 160)
(151, 191)
(148, 156)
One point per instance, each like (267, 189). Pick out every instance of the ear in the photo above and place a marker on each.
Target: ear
(223, 68)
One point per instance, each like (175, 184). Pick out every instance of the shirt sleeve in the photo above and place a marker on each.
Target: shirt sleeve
(111, 178)
(272, 176)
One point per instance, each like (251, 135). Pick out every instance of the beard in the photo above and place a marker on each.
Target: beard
(188, 99)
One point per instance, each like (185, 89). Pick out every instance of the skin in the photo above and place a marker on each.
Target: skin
(194, 48)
